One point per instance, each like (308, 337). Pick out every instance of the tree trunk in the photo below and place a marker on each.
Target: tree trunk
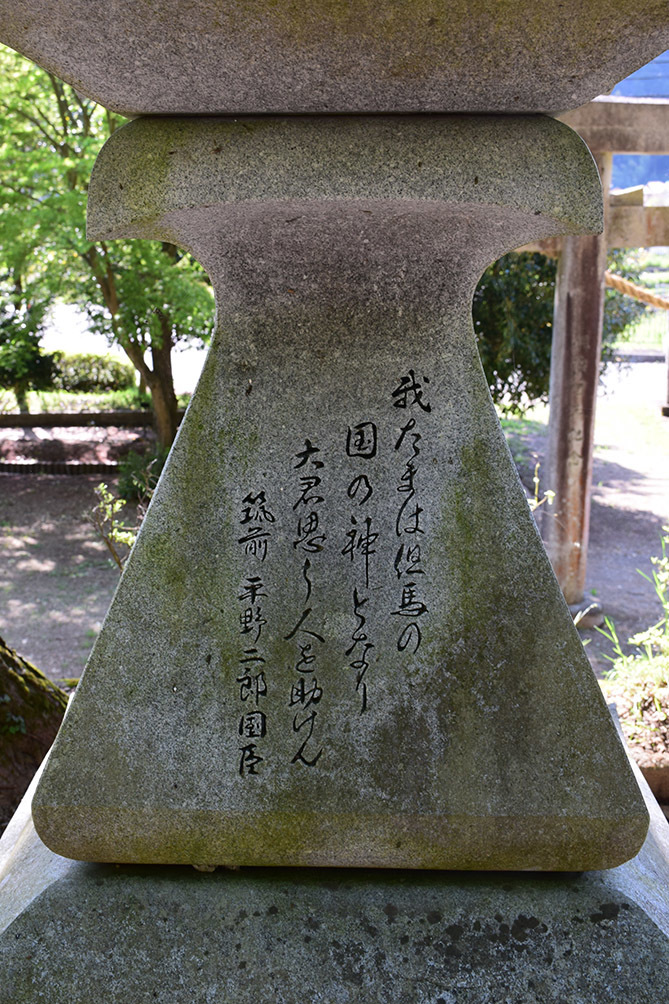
(31, 710)
(165, 414)
(159, 379)
(161, 385)
(21, 395)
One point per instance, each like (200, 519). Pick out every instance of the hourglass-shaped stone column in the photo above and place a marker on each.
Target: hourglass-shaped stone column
(338, 640)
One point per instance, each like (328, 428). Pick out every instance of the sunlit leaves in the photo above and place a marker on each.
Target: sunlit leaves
(513, 320)
(137, 292)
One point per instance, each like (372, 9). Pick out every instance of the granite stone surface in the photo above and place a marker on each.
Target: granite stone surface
(300, 936)
(645, 878)
(27, 867)
(76, 932)
(123, 935)
(338, 640)
(242, 57)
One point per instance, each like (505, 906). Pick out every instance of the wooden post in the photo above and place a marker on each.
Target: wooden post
(577, 340)
(665, 407)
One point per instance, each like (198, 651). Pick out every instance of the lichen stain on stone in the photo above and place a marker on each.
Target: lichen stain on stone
(522, 925)
(441, 40)
(238, 445)
(153, 156)
(607, 911)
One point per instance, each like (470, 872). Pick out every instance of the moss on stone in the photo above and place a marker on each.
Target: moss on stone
(31, 709)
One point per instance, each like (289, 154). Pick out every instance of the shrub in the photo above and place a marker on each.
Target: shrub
(23, 364)
(513, 321)
(138, 474)
(87, 374)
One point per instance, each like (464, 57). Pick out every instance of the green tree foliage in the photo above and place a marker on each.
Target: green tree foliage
(147, 296)
(513, 321)
(620, 311)
(88, 373)
(23, 365)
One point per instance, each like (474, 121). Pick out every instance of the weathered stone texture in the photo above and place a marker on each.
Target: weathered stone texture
(271, 686)
(170, 935)
(77, 932)
(334, 56)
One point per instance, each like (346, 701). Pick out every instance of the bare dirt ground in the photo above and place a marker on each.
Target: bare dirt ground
(56, 579)
(630, 500)
(56, 575)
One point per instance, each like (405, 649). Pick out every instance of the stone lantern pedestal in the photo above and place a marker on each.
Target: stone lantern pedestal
(338, 663)
(339, 569)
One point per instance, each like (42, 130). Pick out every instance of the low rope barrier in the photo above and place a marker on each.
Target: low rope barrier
(638, 292)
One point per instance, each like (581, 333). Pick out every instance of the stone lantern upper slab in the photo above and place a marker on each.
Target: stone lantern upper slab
(172, 57)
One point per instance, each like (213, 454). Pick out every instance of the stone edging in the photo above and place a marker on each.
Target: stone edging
(48, 420)
(56, 467)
